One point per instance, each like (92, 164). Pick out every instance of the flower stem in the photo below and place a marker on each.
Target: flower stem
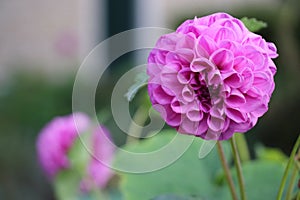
(238, 167)
(289, 165)
(291, 184)
(227, 171)
(135, 129)
(242, 147)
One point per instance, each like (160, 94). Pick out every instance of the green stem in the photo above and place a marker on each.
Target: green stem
(289, 165)
(297, 164)
(138, 121)
(242, 147)
(291, 184)
(298, 196)
(238, 167)
(297, 161)
(227, 171)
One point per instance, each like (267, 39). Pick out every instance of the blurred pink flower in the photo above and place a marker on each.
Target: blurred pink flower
(58, 137)
(212, 77)
(98, 174)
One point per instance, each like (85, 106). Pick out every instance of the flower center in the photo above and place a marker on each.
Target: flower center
(201, 91)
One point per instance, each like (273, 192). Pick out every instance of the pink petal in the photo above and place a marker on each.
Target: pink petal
(194, 115)
(223, 59)
(225, 34)
(242, 62)
(161, 97)
(205, 46)
(201, 64)
(188, 94)
(215, 124)
(235, 99)
(234, 80)
(188, 126)
(236, 115)
(184, 75)
(255, 56)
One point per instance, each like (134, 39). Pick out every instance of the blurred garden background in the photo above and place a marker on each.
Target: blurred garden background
(42, 44)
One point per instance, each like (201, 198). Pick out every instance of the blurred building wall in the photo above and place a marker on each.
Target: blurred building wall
(50, 37)
(164, 13)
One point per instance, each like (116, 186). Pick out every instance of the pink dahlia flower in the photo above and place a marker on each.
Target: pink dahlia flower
(58, 137)
(212, 77)
(98, 173)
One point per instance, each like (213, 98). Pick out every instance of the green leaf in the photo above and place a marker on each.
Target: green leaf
(103, 115)
(187, 176)
(114, 194)
(262, 179)
(140, 80)
(176, 197)
(271, 154)
(253, 24)
(79, 155)
(190, 177)
(67, 182)
(66, 185)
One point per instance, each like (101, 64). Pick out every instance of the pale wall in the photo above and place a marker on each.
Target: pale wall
(51, 37)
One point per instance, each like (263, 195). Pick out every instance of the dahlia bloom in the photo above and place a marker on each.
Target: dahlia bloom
(58, 137)
(212, 77)
(98, 174)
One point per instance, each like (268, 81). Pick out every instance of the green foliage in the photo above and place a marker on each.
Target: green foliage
(242, 147)
(189, 177)
(253, 24)
(114, 194)
(67, 182)
(140, 81)
(186, 176)
(270, 154)
(79, 154)
(66, 185)
(27, 102)
(262, 179)
(176, 197)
